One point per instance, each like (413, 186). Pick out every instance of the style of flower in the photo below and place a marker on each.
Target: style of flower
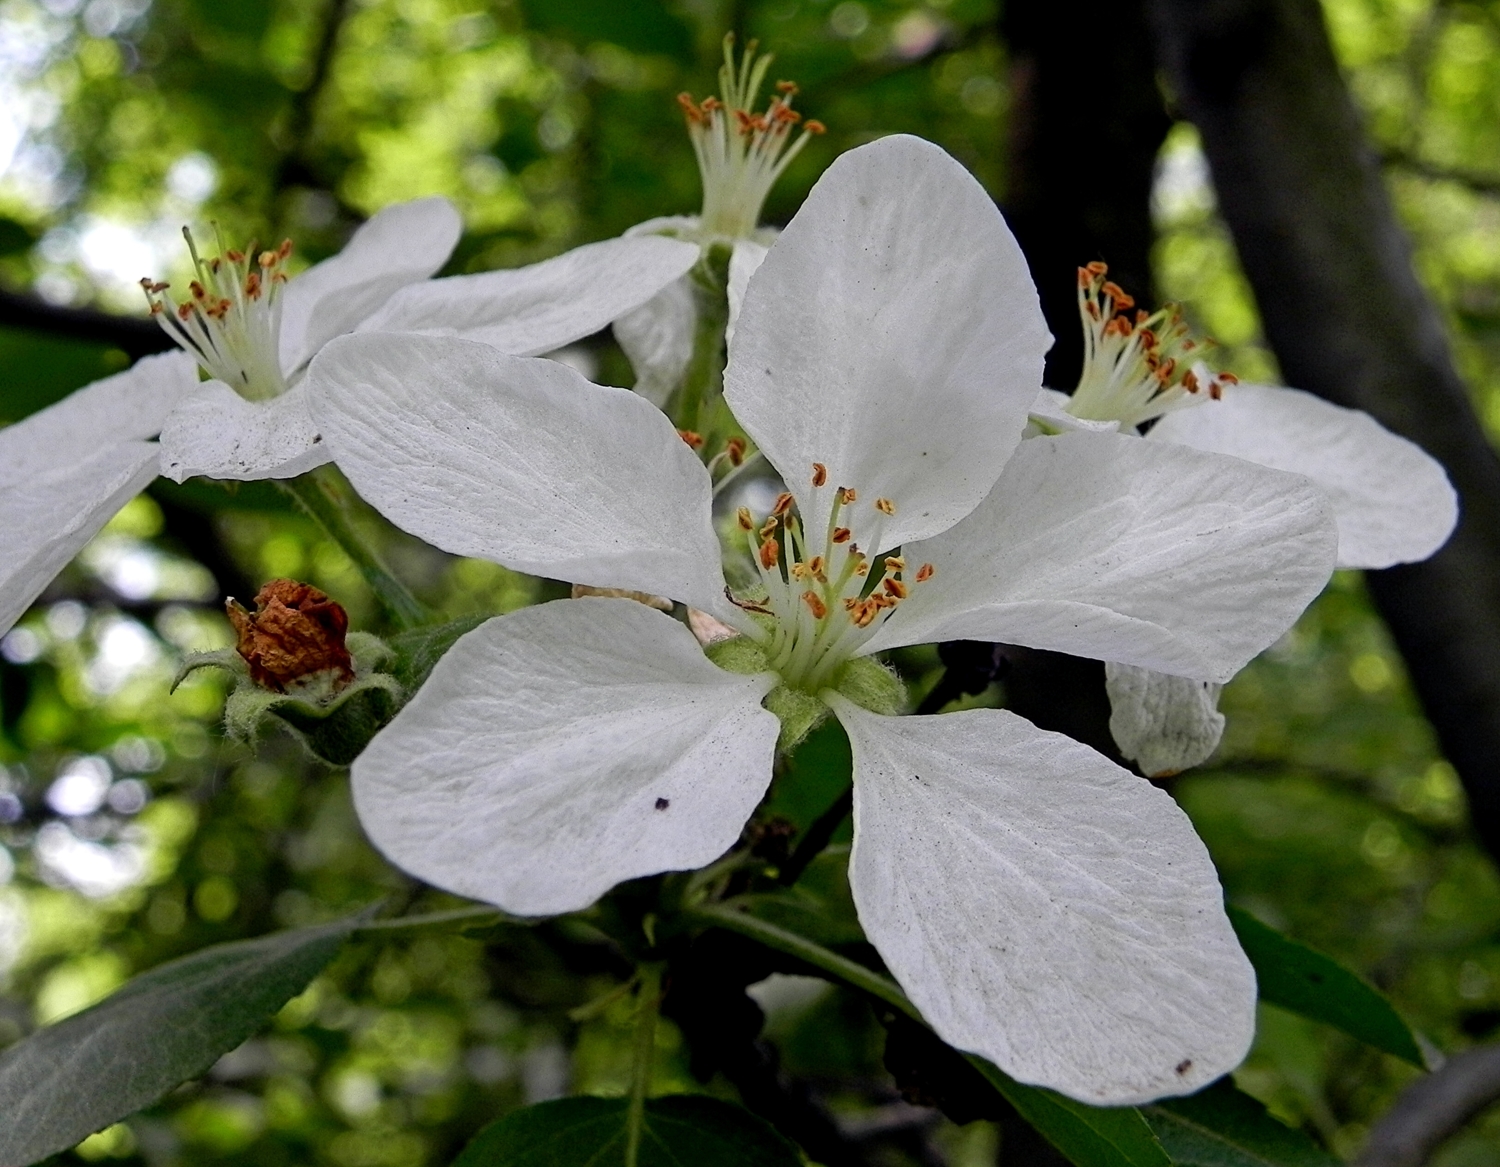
(1042, 906)
(741, 153)
(66, 470)
(1392, 501)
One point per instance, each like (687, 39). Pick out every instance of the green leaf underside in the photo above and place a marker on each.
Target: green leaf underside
(1090, 1136)
(1305, 981)
(1222, 1127)
(680, 1131)
(166, 1026)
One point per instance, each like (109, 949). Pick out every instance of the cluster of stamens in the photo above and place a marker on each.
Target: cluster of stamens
(732, 454)
(1136, 365)
(231, 320)
(742, 153)
(824, 601)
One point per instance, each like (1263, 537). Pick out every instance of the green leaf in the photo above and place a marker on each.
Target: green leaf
(1307, 982)
(1090, 1136)
(819, 906)
(1221, 1127)
(685, 1130)
(67, 1081)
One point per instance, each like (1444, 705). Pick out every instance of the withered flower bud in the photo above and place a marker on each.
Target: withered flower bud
(295, 635)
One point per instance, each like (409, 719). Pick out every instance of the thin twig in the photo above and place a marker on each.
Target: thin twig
(1433, 1109)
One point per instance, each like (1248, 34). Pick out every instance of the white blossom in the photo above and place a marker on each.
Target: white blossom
(1392, 501)
(1042, 906)
(66, 470)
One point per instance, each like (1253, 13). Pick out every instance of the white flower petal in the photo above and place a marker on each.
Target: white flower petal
(66, 470)
(1393, 501)
(893, 334)
(123, 408)
(1051, 409)
(1097, 545)
(1044, 907)
(561, 749)
(216, 433)
(49, 514)
(744, 262)
(532, 310)
(658, 339)
(397, 246)
(1164, 724)
(519, 460)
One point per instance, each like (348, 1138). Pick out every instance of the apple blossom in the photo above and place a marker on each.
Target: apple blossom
(1392, 501)
(1040, 905)
(741, 154)
(69, 468)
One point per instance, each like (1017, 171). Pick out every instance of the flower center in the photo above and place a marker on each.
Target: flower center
(1138, 367)
(824, 599)
(231, 321)
(742, 153)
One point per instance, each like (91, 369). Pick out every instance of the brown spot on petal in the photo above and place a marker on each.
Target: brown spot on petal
(295, 634)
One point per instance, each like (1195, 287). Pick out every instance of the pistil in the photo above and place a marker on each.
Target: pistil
(822, 599)
(231, 320)
(1136, 366)
(742, 153)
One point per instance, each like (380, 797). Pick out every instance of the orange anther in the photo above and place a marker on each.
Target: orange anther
(787, 87)
(694, 440)
(1096, 268)
(815, 604)
(1229, 378)
(885, 506)
(784, 503)
(815, 127)
(815, 568)
(734, 450)
(841, 534)
(847, 495)
(770, 554)
(820, 474)
(742, 517)
(894, 587)
(1122, 299)
(925, 572)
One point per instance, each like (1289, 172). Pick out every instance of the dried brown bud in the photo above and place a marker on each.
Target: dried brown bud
(295, 634)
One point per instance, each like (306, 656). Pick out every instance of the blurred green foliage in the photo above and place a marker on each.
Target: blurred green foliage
(132, 833)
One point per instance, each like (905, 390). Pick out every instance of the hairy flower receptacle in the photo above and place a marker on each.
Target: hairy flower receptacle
(741, 153)
(1137, 366)
(231, 321)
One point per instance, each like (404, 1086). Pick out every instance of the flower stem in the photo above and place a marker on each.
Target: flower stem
(695, 402)
(648, 1005)
(851, 973)
(328, 500)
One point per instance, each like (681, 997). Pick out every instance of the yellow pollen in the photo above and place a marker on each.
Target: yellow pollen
(885, 506)
(847, 495)
(742, 517)
(895, 563)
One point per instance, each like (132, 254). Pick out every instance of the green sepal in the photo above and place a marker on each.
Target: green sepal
(870, 685)
(799, 713)
(739, 654)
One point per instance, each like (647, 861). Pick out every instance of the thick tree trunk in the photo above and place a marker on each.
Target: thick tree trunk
(1085, 127)
(1332, 273)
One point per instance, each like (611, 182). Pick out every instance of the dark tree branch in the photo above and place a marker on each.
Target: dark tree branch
(1332, 273)
(295, 168)
(1434, 1108)
(1086, 123)
(137, 335)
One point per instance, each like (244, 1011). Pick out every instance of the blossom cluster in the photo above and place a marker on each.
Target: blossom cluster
(1041, 905)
